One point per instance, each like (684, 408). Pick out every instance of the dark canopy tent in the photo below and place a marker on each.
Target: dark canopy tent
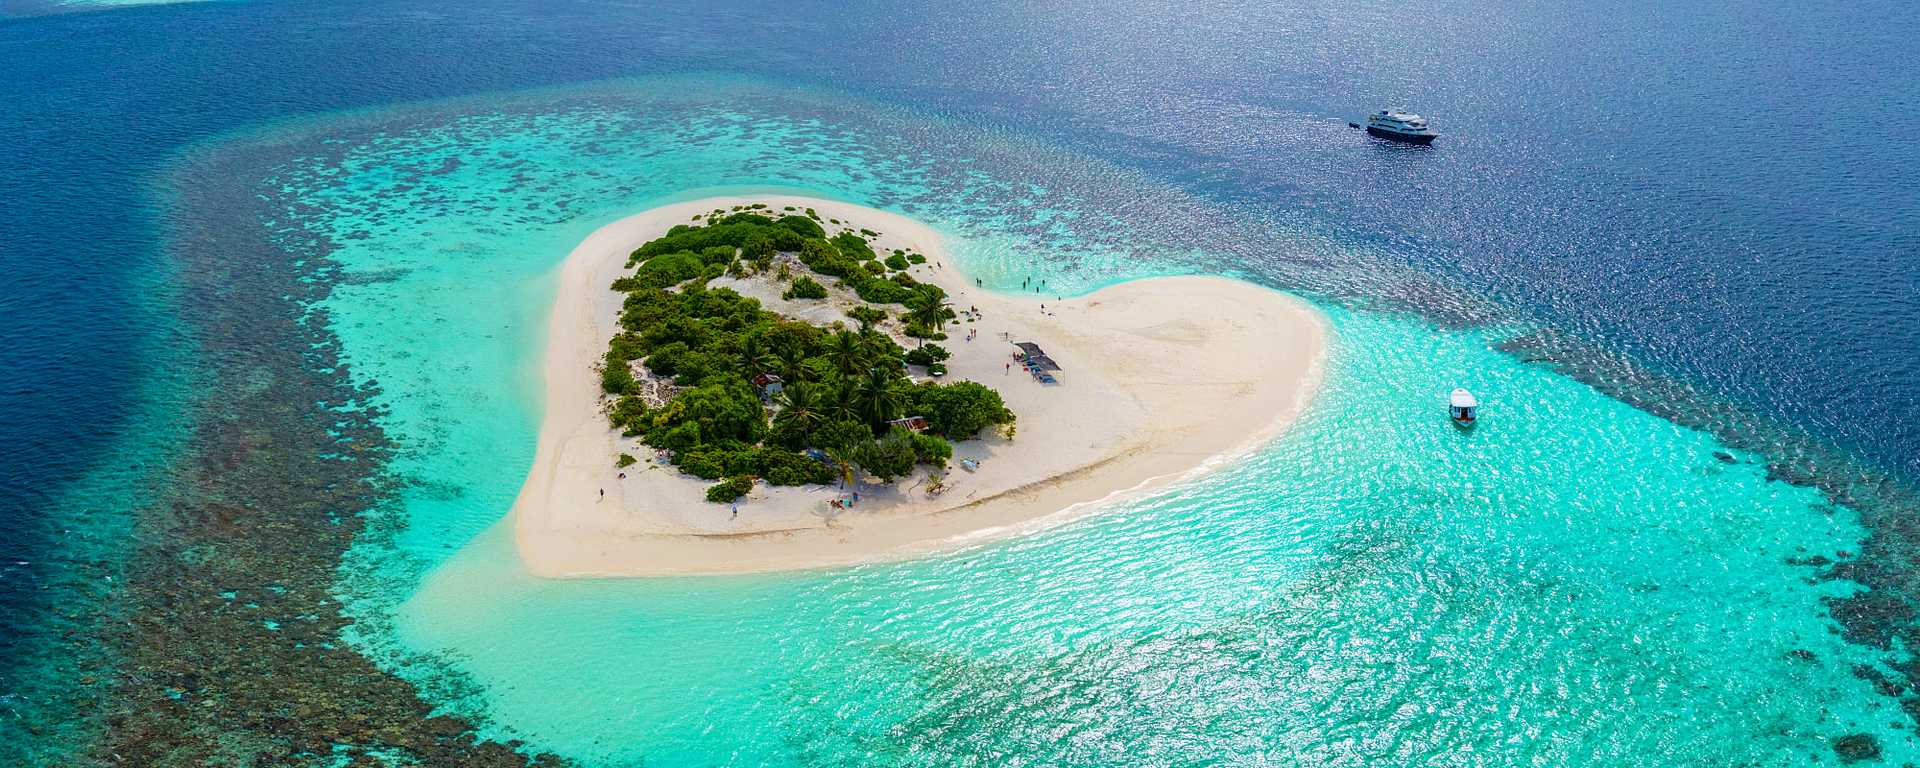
(1036, 356)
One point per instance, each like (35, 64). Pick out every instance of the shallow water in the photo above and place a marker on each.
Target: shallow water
(1572, 584)
(1575, 583)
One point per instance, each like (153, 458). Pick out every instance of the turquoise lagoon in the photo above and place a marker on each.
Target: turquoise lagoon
(1574, 583)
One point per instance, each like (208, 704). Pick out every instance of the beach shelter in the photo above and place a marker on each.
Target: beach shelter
(1036, 357)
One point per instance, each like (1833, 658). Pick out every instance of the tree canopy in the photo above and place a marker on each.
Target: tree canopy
(840, 387)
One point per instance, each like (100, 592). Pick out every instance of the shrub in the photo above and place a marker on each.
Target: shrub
(868, 315)
(930, 449)
(724, 410)
(615, 379)
(896, 262)
(920, 331)
(703, 464)
(630, 414)
(749, 461)
(678, 438)
(959, 410)
(728, 490)
(625, 346)
(790, 468)
(853, 246)
(757, 246)
(664, 271)
(916, 258)
(820, 256)
(877, 291)
(785, 239)
(806, 288)
(927, 354)
(801, 225)
(888, 457)
(844, 433)
(625, 460)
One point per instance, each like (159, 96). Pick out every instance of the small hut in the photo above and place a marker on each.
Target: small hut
(915, 423)
(769, 385)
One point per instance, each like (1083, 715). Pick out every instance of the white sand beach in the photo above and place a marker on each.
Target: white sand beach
(1160, 378)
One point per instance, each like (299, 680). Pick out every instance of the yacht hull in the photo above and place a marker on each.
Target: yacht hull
(1410, 138)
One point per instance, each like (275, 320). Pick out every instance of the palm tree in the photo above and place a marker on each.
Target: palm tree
(813, 369)
(788, 366)
(845, 463)
(845, 352)
(755, 357)
(928, 310)
(878, 398)
(842, 404)
(799, 407)
(874, 345)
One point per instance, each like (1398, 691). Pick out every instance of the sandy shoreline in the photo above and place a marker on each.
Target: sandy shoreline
(1161, 377)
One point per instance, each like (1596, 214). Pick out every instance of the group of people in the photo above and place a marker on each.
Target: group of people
(845, 503)
(972, 315)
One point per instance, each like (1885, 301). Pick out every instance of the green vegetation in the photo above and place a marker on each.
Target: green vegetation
(867, 316)
(927, 314)
(729, 490)
(838, 388)
(959, 410)
(806, 288)
(926, 354)
(625, 460)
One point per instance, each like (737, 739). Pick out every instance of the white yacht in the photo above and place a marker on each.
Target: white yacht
(1463, 408)
(1400, 126)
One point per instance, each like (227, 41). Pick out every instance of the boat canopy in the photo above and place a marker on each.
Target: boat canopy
(1462, 399)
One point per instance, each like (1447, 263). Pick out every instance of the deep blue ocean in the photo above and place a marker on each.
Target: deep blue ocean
(1712, 202)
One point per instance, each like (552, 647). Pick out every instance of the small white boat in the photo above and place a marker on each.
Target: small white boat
(1462, 408)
